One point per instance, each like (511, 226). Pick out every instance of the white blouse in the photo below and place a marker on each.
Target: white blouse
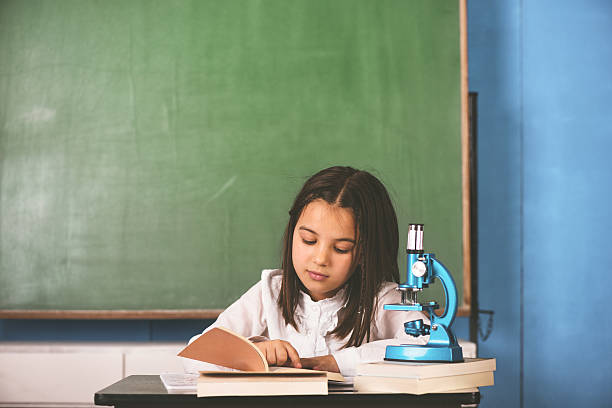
(257, 316)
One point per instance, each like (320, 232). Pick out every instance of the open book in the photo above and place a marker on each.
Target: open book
(222, 347)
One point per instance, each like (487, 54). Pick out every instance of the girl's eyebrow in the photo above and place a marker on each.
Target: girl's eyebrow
(313, 232)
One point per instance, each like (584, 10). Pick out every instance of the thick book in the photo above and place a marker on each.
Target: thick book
(406, 385)
(425, 370)
(230, 383)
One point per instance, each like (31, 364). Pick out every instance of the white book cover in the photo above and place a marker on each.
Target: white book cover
(180, 383)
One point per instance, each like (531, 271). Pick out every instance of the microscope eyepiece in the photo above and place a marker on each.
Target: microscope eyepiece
(415, 239)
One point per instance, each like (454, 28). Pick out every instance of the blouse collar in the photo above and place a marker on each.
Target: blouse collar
(319, 317)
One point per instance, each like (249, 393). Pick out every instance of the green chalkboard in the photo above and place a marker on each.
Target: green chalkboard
(149, 150)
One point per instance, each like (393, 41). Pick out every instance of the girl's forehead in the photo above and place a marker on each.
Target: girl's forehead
(326, 217)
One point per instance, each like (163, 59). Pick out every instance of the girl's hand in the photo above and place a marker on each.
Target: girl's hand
(321, 363)
(279, 353)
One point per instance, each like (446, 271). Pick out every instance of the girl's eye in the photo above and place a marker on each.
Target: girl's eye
(342, 251)
(308, 242)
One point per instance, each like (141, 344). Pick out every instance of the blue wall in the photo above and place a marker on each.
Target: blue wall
(494, 73)
(543, 71)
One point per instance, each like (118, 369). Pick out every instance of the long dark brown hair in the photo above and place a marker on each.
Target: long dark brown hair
(375, 253)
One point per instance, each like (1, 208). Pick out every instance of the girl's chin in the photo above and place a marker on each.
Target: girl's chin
(316, 294)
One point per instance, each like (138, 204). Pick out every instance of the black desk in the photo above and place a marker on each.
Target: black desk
(148, 391)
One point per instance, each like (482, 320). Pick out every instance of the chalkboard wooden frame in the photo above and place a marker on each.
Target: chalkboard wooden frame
(464, 307)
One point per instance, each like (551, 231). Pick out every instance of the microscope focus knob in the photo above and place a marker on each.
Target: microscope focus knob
(416, 328)
(419, 269)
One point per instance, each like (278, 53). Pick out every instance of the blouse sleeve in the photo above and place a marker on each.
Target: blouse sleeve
(387, 329)
(245, 316)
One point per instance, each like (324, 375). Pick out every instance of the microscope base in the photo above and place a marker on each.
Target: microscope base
(424, 354)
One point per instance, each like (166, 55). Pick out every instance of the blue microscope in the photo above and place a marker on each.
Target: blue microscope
(422, 269)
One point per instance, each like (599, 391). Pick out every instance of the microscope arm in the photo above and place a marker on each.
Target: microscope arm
(440, 272)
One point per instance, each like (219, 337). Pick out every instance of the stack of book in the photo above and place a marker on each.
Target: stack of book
(423, 378)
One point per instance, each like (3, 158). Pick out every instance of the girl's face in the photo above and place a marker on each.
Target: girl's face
(323, 246)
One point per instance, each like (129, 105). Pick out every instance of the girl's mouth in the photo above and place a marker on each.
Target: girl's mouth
(316, 276)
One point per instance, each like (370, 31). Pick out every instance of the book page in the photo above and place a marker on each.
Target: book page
(331, 376)
(223, 347)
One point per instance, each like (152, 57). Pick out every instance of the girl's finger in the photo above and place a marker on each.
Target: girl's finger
(281, 355)
(271, 355)
(294, 356)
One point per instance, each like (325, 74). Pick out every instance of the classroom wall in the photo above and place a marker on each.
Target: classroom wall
(543, 72)
(494, 73)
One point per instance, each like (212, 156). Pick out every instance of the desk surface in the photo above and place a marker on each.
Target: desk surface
(148, 390)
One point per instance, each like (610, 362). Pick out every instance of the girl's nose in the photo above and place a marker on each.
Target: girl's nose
(321, 256)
